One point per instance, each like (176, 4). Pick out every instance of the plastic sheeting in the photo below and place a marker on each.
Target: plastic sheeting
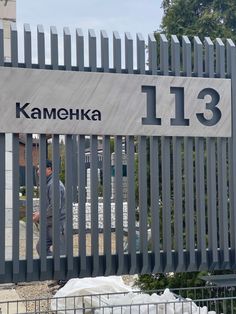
(90, 295)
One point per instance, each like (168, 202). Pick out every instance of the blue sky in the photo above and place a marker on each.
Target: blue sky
(124, 15)
(134, 16)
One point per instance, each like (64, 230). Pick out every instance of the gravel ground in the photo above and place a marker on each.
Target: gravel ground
(44, 291)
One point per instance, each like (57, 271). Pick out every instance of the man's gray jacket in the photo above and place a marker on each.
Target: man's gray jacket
(49, 201)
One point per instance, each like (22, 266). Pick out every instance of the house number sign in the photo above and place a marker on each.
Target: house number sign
(70, 102)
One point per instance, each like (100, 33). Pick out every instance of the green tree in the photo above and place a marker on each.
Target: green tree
(214, 18)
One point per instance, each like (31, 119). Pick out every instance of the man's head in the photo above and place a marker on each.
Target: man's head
(48, 168)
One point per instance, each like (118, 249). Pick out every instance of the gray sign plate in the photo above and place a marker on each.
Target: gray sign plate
(64, 102)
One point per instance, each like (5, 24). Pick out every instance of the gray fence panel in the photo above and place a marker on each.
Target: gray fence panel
(42, 205)
(182, 172)
(231, 72)
(222, 169)
(177, 169)
(211, 169)
(199, 169)
(165, 155)
(81, 204)
(188, 167)
(69, 198)
(2, 204)
(94, 204)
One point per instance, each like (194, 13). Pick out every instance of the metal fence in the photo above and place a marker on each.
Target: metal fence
(181, 188)
(186, 300)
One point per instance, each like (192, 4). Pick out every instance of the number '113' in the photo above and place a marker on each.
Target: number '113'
(180, 119)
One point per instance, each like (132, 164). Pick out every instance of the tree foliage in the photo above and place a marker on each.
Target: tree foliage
(213, 18)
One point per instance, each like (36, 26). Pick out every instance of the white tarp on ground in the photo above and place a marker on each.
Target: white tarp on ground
(69, 298)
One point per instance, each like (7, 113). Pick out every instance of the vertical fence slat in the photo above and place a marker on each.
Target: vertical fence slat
(189, 171)
(222, 168)
(211, 169)
(1, 44)
(130, 168)
(131, 204)
(15, 206)
(142, 170)
(119, 203)
(177, 169)
(15, 170)
(69, 219)
(142, 183)
(155, 198)
(152, 54)
(140, 53)
(231, 71)
(117, 52)
(107, 202)
(80, 49)
(56, 204)
(54, 47)
(29, 168)
(42, 205)
(118, 166)
(92, 51)
(67, 48)
(2, 174)
(27, 46)
(55, 157)
(104, 51)
(94, 204)
(154, 170)
(42, 165)
(14, 45)
(106, 166)
(199, 169)
(2, 203)
(29, 204)
(165, 155)
(41, 46)
(81, 204)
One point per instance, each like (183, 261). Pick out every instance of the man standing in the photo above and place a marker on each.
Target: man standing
(49, 209)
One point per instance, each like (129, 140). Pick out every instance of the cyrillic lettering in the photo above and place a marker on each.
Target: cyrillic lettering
(76, 114)
(84, 114)
(96, 115)
(49, 114)
(36, 113)
(20, 110)
(62, 114)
